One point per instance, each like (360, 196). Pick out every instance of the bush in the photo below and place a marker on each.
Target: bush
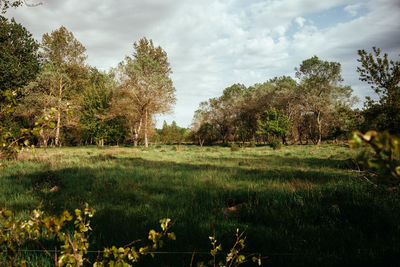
(276, 145)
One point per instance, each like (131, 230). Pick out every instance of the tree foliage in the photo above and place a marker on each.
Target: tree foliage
(18, 66)
(321, 89)
(95, 107)
(274, 123)
(18, 56)
(384, 77)
(312, 106)
(383, 163)
(64, 59)
(145, 80)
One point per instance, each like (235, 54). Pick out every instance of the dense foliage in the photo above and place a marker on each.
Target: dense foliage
(19, 62)
(274, 123)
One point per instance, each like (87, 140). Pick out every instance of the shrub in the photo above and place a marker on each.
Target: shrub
(275, 144)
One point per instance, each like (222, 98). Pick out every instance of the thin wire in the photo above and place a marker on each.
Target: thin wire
(171, 252)
(159, 252)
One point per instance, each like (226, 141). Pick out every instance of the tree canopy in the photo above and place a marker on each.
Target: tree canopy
(145, 80)
(384, 77)
(19, 62)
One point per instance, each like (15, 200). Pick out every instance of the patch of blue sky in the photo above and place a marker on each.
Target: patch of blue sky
(329, 18)
(339, 14)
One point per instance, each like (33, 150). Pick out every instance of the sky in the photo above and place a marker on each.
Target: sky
(212, 44)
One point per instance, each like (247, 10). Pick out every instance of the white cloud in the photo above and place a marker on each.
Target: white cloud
(352, 9)
(300, 21)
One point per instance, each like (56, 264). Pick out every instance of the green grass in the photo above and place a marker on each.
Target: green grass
(303, 205)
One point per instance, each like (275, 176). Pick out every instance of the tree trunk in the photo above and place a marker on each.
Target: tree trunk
(45, 141)
(146, 141)
(201, 142)
(319, 123)
(300, 136)
(137, 130)
(59, 112)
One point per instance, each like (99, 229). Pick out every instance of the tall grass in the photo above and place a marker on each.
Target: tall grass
(303, 205)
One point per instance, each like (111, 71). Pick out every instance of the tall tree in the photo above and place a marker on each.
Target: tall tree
(64, 57)
(18, 66)
(18, 56)
(384, 77)
(145, 78)
(320, 82)
(95, 119)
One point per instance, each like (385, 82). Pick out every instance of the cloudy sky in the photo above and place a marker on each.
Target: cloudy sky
(213, 44)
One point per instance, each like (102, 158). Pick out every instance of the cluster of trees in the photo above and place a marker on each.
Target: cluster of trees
(312, 108)
(69, 102)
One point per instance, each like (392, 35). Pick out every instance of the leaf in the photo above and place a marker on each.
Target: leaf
(369, 135)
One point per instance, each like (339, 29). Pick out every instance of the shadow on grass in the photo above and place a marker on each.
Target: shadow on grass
(328, 223)
(291, 161)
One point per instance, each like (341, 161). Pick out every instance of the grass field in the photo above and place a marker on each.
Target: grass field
(303, 205)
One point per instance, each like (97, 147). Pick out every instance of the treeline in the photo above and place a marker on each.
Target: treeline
(314, 108)
(49, 87)
(49, 95)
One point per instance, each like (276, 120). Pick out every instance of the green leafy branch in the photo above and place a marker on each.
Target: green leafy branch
(16, 233)
(235, 256)
(386, 157)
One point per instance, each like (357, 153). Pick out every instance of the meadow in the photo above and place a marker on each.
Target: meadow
(302, 205)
